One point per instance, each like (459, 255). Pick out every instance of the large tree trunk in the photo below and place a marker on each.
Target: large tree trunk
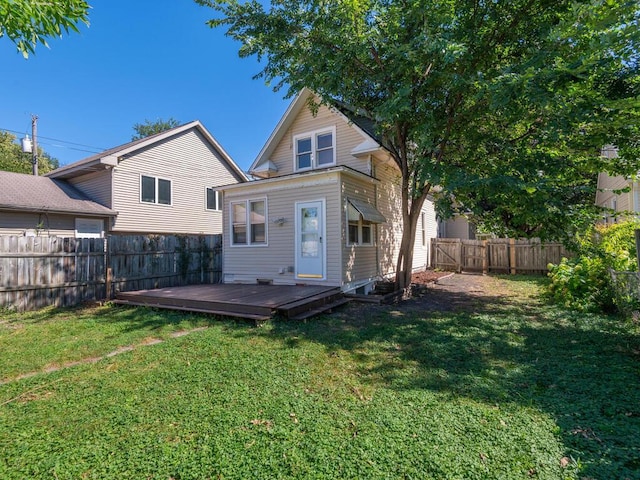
(411, 209)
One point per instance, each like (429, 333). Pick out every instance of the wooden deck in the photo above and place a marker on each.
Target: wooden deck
(257, 302)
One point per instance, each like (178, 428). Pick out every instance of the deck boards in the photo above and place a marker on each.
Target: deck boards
(239, 300)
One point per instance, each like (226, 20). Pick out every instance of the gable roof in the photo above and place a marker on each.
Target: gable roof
(365, 126)
(29, 193)
(110, 157)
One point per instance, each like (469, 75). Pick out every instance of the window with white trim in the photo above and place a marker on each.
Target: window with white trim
(155, 190)
(424, 230)
(213, 200)
(359, 231)
(315, 149)
(248, 222)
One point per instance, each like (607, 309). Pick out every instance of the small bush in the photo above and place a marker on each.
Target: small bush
(584, 283)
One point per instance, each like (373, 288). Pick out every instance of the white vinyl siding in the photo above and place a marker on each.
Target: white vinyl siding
(345, 139)
(96, 186)
(14, 223)
(192, 164)
(276, 261)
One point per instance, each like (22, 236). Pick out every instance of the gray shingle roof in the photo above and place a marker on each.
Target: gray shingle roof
(42, 194)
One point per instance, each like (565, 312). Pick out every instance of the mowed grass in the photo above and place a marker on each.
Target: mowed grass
(512, 388)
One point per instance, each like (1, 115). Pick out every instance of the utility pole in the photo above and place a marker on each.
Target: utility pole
(34, 152)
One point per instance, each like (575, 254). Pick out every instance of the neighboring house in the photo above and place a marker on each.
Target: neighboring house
(326, 209)
(608, 193)
(164, 183)
(458, 226)
(43, 206)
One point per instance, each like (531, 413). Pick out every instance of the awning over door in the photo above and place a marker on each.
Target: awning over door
(369, 212)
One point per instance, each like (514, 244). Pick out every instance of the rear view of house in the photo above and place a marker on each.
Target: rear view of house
(326, 207)
(164, 183)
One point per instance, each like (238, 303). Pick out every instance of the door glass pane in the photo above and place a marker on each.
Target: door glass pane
(310, 219)
(309, 245)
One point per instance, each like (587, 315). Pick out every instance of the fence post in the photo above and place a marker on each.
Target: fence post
(512, 255)
(637, 235)
(460, 258)
(485, 258)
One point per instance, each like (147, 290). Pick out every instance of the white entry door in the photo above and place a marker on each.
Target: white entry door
(310, 241)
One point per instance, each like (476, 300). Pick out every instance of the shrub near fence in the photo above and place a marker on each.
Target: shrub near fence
(41, 271)
(500, 255)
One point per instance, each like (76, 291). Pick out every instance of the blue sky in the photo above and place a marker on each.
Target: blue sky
(136, 61)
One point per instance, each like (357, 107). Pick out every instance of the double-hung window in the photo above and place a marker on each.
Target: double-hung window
(248, 222)
(315, 149)
(155, 190)
(213, 199)
(359, 229)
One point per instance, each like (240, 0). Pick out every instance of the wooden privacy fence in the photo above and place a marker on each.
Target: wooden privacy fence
(41, 271)
(500, 255)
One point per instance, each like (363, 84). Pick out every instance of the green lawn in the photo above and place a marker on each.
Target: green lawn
(516, 389)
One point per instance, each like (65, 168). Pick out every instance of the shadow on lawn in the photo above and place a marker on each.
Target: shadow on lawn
(496, 348)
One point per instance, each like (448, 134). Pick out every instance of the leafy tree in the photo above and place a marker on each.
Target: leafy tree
(12, 159)
(27, 23)
(149, 128)
(501, 104)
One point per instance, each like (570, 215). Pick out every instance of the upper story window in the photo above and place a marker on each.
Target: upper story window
(315, 149)
(155, 190)
(214, 202)
(248, 222)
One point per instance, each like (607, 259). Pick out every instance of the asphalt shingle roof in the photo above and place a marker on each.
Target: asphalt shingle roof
(30, 193)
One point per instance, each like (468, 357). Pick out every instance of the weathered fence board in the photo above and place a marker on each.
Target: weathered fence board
(500, 255)
(41, 271)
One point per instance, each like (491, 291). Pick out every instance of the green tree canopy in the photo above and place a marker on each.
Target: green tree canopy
(27, 23)
(149, 127)
(500, 104)
(12, 159)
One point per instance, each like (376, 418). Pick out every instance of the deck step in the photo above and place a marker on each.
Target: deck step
(324, 308)
(298, 307)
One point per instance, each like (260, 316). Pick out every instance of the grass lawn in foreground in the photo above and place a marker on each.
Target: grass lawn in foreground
(513, 388)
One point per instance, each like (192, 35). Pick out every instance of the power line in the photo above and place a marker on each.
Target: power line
(95, 149)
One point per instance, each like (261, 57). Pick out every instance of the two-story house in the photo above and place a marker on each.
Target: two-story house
(326, 207)
(163, 183)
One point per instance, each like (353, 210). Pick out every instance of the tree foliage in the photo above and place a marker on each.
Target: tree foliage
(503, 105)
(149, 127)
(27, 23)
(12, 159)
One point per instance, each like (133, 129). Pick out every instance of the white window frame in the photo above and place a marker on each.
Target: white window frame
(314, 143)
(423, 229)
(156, 190)
(95, 224)
(218, 199)
(361, 223)
(247, 204)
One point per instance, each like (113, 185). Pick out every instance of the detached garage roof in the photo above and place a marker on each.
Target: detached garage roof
(20, 192)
